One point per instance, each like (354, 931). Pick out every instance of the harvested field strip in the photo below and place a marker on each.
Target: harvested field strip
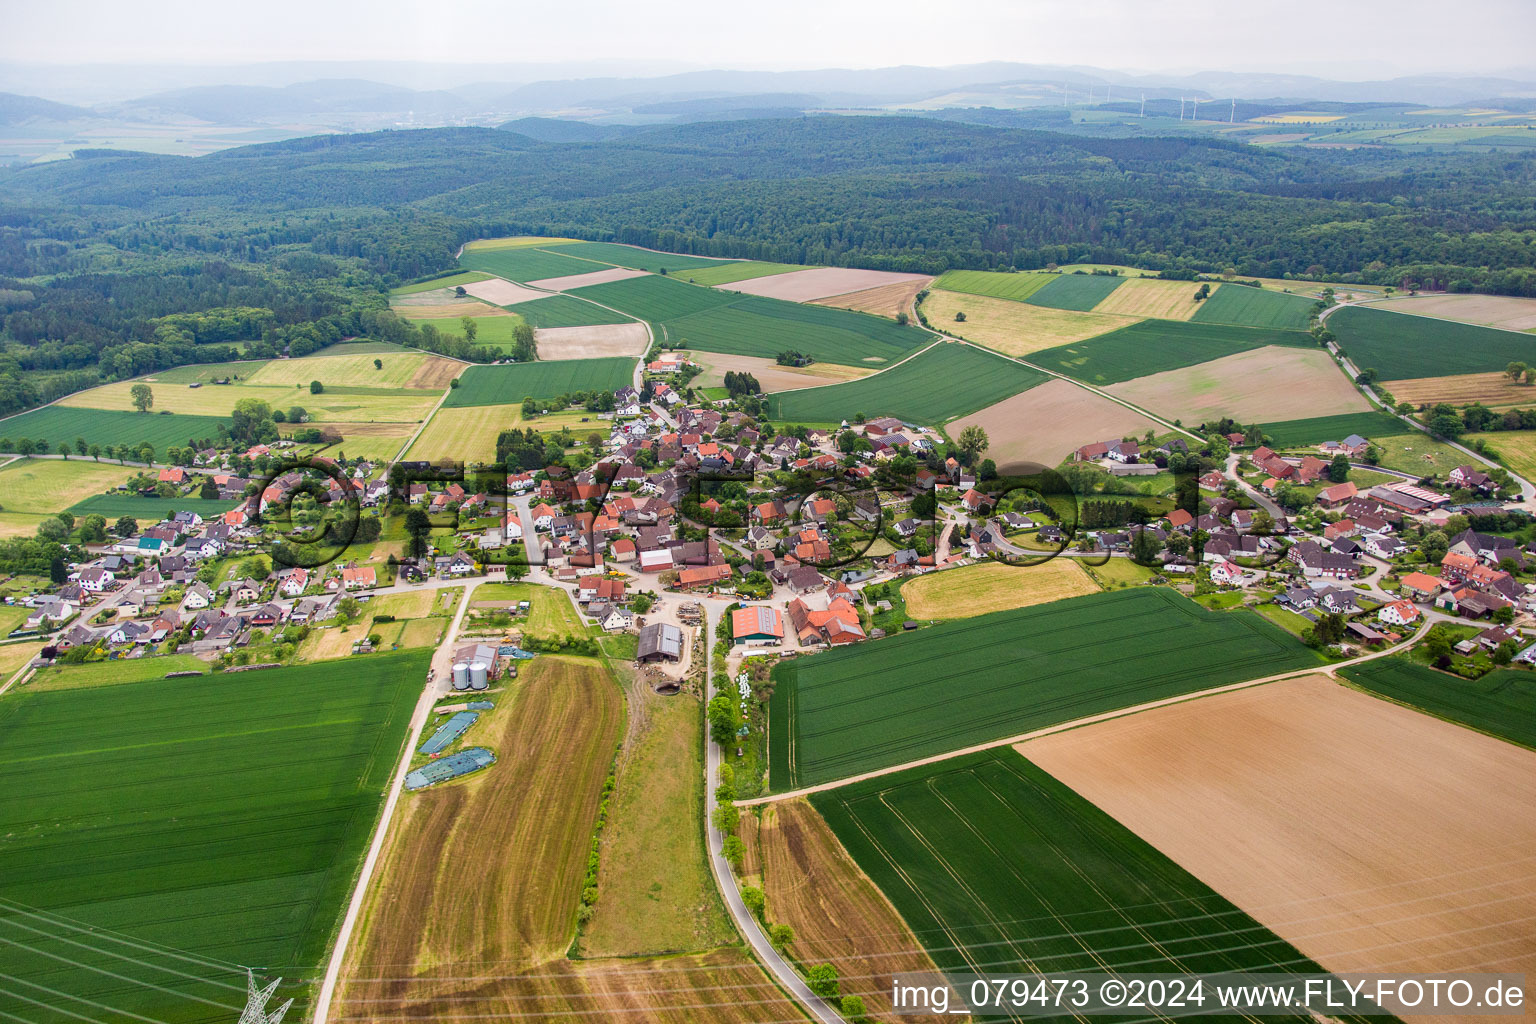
(510, 383)
(641, 259)
(856, 709)
(1307, 432)
(1251, 386)
(1505, 312)
(1017, 287)
(820, 283)
(1016, 328)
(746, 270)
(838, 914)
(591, 342)
(565, 311)
(33, 485)
(526, 823)
(1076, 291)
(938, 384)
(560, 284)
(1153, 346)
(1255, 307)
(888, 300)
(220, 814)
(770, 375)
(450, 281)
(503, 293)
(999, 868)
(1494, 388)
(1401, 346)
(527, 264)
(1048, 422)
(447, 310)
(60, 423)
(1421, 859)
(994, 587)
(341, 365)
(1501, 703)
(1149, 297)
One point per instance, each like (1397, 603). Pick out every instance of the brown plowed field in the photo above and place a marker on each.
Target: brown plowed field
(592, 342)
(569, 281)
(838, 914)
(1258, 386)
(503, 293)
(1493, 389)
(435, 374)
(1506, 311)
(1371, 836)
(1047, 423)
(770, 374)
(818, 283)
(885, 300)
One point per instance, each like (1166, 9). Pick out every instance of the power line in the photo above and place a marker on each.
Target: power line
(119, 956)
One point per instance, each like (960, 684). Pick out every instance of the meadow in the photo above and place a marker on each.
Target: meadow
(61, 424)
(1153, 346)
(1418, 453)
(938, 384)
(1304, 433)
(222, 815)
(860, 708)
(1015, 328)
(998, 868)
(450, 281)
(1402, 346)
(993, 587)
(510, 383)
(527, 263)
(49, 485)
(1255, 307)
(1017, 287)
(565, 311)
(1076, 291)
(1150, 297)
(1501, 703)
(1515, 449)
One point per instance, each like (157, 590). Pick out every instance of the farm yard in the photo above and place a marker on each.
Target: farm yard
(1015, 328)
(1045, 424)
(994, 587)
(1401, 346)
(1255, 307)
(999, 868)
(510, 383)
(1506, 312)
(1076, 291)
(1252, 386)
(60, 424)
(1153, 346)
(1501, 703)
(1302, 433)
(888, 300)
(820, 283)
(857, 709)
(837, 913)
(1017, 287)
(943, 381)
(220, 815)
(1420, 812)
(1149, 297)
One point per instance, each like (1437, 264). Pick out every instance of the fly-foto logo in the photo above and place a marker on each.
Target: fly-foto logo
(255, 1011)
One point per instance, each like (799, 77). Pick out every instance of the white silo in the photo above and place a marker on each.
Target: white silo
(460, 676)
(479, 676)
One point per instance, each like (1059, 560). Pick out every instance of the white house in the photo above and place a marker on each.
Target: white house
(96, 579)
(1399, 613)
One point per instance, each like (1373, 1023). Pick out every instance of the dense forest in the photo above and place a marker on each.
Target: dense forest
(293, 245)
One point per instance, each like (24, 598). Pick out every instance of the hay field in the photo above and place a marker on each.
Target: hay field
(515, 242)
(569, 281)
(1047, 423)
(48, 485)
(994, 587)
(838, 914)
(994, 283)
(598, 342)
(448, 309)
(819, 283)
(1017, 328)
(20, 524)
(770, 374)
(1492, 389)
(1270, 383)
(1149, 297)
(886, 300)
(502, 293)
(340, 367)
(1503, 311)
(1517, 449)
(467, 435)
(1372, 836)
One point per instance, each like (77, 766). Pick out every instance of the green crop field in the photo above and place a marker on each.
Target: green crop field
(1402, 346)
(1502, 703)
(640, 259)
(1156, 345)
(510, 383)
(498, 331)
(221, 815)
(690, 316)
(528, 264)
(565, 311)
(1076, 291)
(938, 384)
(999, 868)
(147, 510)
(1301, 433)
(58, 424)
(872, 706)
(450, 281)
(730, 273)
(986, 282)
(1255, 307)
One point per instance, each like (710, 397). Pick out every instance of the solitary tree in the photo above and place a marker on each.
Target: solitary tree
(316, 388)
(960, 317)
(1338, 469)
(471, 329)
(378, 364)
(143, 396)
(973, 441)
(126, 526)
(1515, 370)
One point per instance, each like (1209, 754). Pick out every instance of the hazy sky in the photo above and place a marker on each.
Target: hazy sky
(1346, 39)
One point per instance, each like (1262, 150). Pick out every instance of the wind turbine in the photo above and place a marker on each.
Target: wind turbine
(1181, 108)
(1232, 117)
(1143, 104)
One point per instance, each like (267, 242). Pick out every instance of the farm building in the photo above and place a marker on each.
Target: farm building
(659, 641)
(759, 625)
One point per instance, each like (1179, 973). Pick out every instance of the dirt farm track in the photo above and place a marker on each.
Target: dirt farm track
(1371, 836)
